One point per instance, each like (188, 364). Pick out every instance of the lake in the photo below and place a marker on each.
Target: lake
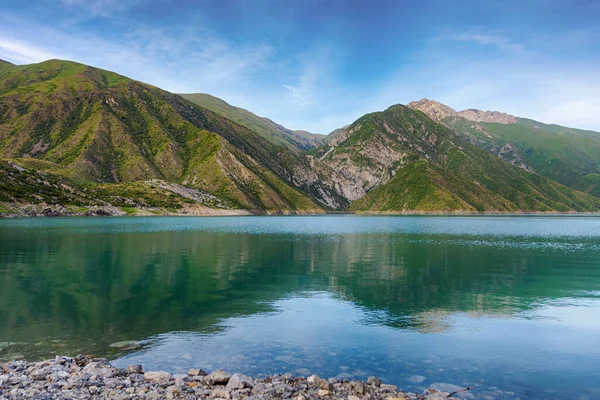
(508, 303)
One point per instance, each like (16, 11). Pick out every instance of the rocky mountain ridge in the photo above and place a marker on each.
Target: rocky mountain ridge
(401, 160)
(566, 155)
(438, 112)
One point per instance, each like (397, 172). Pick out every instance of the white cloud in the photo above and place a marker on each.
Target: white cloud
(527, 85)
(182, 61)
(100, 7)
(487, 39)
(304, 92)
(297, 92)
(21, 52)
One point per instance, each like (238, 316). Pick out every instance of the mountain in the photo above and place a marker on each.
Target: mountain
(91, 125)
(566, 155)
(75, 139)
(35, 191)
(297, 140)
(402, 160)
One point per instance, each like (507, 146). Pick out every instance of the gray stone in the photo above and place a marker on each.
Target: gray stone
(196, 372)
(218, 377)
(358, 387)
(99, 368)
(372, 380)
(58, 376)
(172, 391)
(387, 388)
(126, 345)
(157, 376)
(434, 394)
(221, 393)
(39, 374)
(325, 385)
(239, 381)
(136, 377)
(89, 378)
(134, 369)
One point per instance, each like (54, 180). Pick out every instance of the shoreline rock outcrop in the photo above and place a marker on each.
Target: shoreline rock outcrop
(85, 377)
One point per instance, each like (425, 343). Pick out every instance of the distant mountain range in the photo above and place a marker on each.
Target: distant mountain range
(297, 140)
(75, 138)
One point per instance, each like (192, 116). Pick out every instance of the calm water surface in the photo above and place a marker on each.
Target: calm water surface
(511, 304)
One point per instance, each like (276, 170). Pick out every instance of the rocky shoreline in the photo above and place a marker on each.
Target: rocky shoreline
(85, 377)
(44, 210)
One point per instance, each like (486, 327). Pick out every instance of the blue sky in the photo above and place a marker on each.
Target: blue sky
(320, 64)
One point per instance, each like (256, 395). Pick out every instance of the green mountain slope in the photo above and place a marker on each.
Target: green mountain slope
(95, 125)
(566, 155)
(26, 188)
(92, 138)
(297, 140)
(405, 161)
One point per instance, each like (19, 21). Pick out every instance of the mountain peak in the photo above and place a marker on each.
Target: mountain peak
(433, 109)
(438, 111)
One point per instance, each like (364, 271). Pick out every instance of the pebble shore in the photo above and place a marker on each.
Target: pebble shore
(85, 377)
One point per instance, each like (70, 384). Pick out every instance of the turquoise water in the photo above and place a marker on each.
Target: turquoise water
(510, 304)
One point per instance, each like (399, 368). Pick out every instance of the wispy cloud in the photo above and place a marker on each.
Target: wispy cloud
(101, 7)
(488, 39)
(313, 71)
(21, 52)
(296, 92)
(182, 61)
(305, 91)
(565, 92)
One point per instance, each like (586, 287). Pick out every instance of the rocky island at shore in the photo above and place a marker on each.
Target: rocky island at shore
(85, 377)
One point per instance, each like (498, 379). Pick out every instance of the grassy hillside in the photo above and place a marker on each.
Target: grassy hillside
(297, 140)
(111, 139)
(27, 189)
(407, 162)
(97, 126)
(566, 155)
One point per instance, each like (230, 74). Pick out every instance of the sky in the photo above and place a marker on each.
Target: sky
(318, 65)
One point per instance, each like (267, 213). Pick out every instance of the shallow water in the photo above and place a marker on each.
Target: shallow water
(511, 304)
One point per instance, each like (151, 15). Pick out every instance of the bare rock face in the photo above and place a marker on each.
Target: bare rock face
(438, 111)
(433, 109)
(488, 116)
